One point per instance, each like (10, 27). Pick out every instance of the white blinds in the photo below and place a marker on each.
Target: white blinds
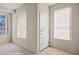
(62, 23)
(21, 24)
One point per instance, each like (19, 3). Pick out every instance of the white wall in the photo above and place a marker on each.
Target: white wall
(30, 42)
(72, 45)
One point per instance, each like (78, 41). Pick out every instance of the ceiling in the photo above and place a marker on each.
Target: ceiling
(11, 6)
(50, 4)
(14, 6)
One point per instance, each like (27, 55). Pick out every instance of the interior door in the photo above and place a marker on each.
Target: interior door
(44, 28)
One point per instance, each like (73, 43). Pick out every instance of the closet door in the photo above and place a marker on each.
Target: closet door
(44, 36)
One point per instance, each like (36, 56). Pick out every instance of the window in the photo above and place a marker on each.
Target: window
(2, 25)
(62, 23)
(21, 24)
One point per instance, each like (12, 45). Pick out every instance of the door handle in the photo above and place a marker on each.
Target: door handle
(40, 32)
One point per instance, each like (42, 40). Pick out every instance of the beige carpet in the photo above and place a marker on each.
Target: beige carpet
(12, 49)
(52, 51)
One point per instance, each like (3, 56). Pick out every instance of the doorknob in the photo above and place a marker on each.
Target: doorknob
(40, 32)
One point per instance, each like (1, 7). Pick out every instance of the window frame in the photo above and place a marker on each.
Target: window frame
(19, 14)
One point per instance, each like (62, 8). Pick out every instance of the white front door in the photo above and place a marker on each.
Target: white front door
(44, 28)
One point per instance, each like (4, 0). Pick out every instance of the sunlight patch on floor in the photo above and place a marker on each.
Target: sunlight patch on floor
(52, 51)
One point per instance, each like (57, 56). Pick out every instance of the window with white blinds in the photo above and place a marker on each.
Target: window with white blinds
(62, 23)
(21, 24)
(3, 24)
